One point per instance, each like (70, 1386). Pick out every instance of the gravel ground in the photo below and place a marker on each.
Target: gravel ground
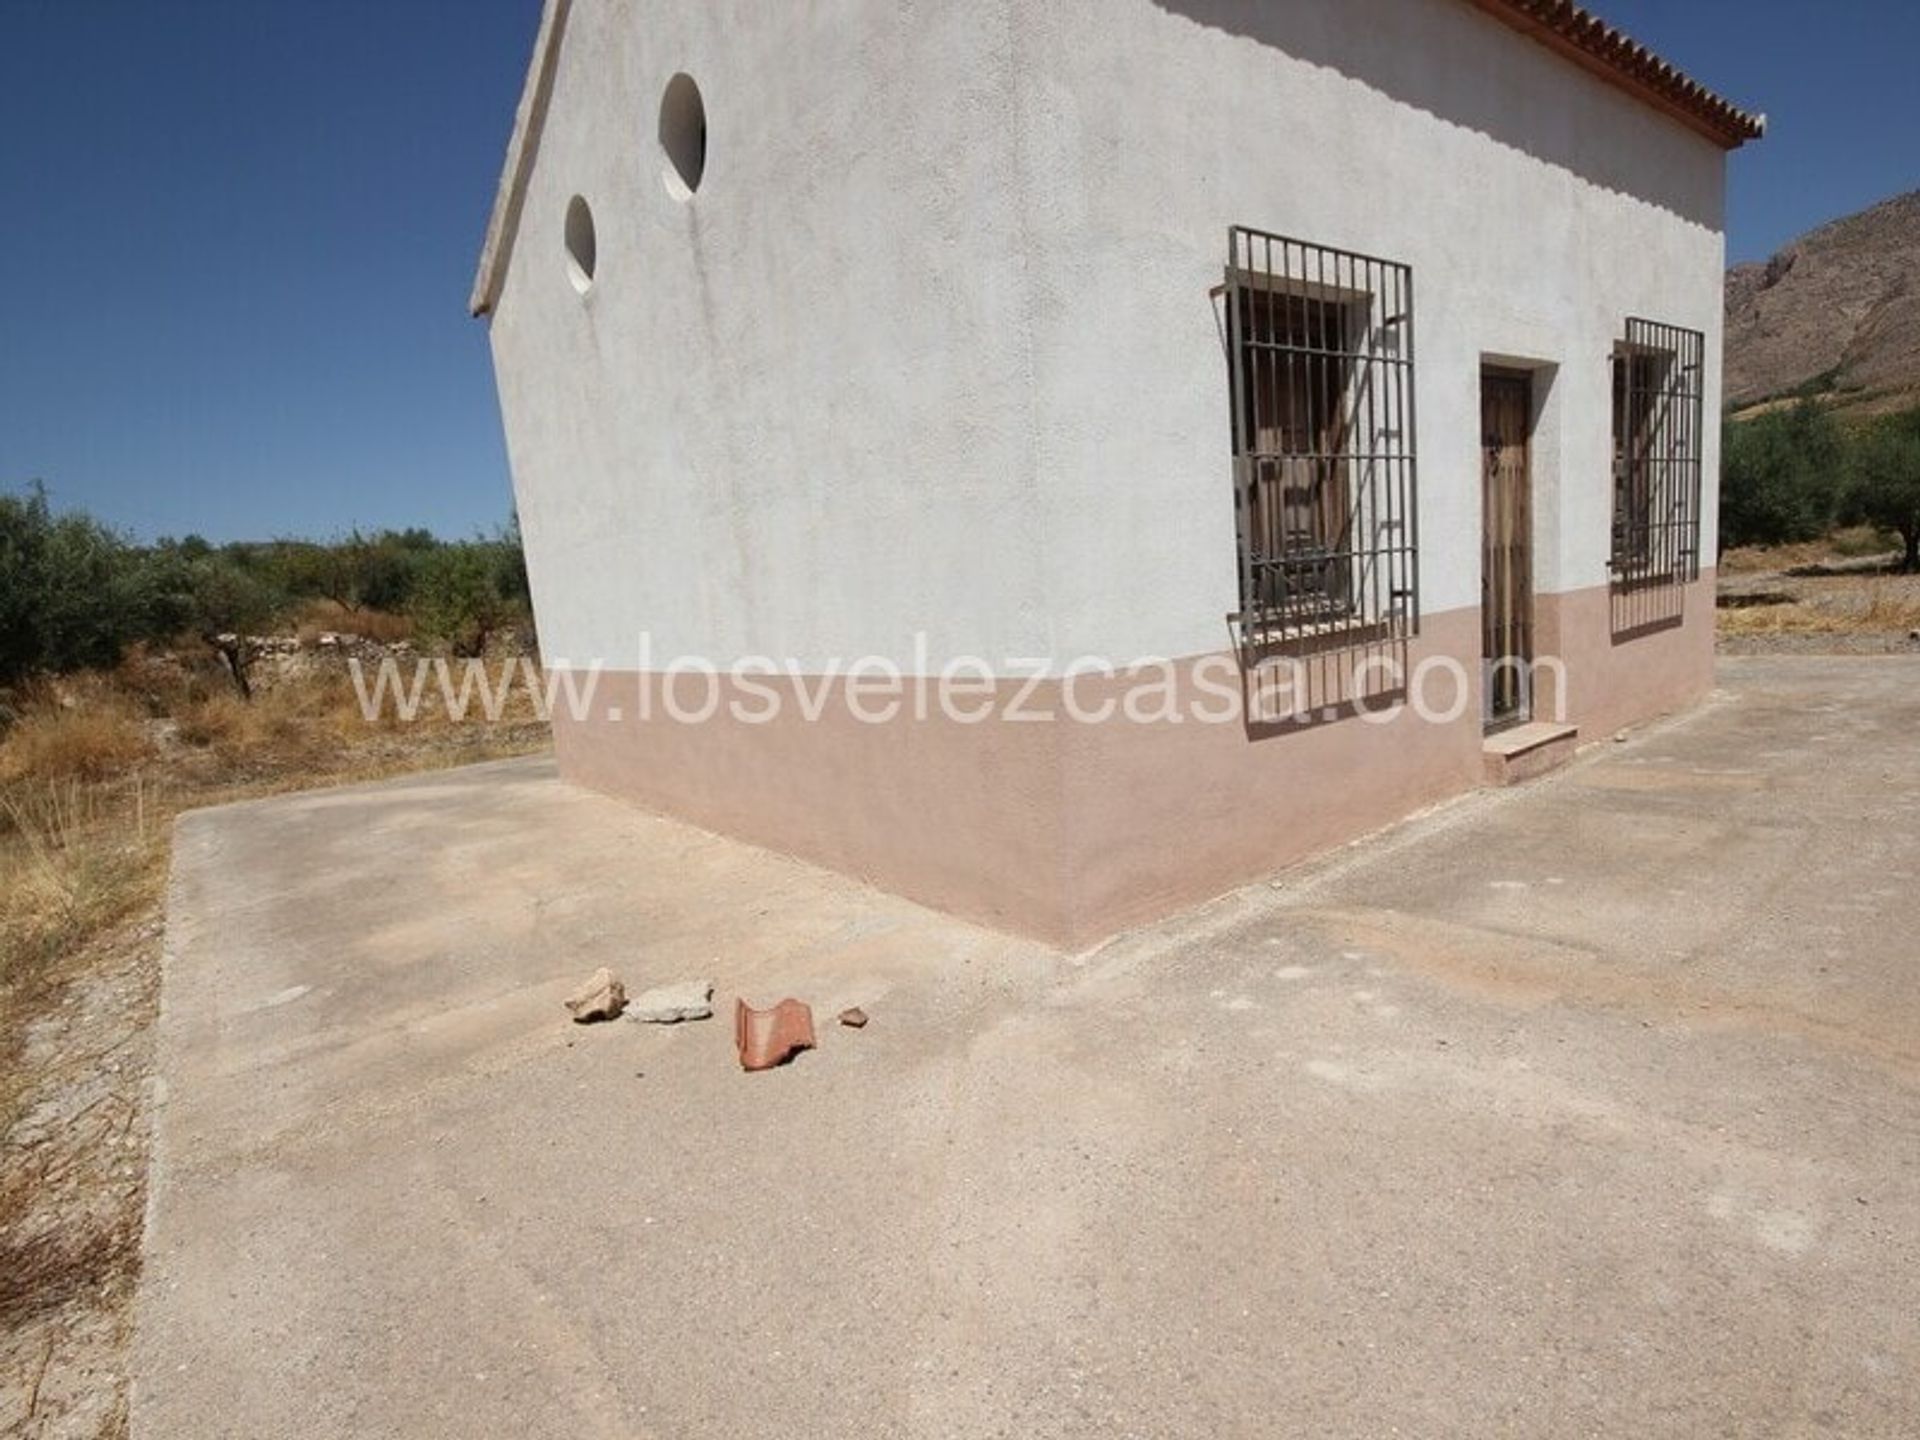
(1880, 642)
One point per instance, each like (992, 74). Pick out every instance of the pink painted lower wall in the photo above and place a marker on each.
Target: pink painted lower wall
(1162, 817)
(965, 817)
(1069, 829)
(1628, 657)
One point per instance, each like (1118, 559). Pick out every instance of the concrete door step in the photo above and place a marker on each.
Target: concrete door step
(1527, 750)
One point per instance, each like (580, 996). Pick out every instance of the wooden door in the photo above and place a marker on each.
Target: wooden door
(1506, 550)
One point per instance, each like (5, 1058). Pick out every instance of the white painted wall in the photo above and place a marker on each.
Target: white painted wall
(932, 348)
(794, 415)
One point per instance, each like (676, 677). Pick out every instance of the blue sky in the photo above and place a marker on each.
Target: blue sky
(236, 239)
(236, 236)
(1837, 83)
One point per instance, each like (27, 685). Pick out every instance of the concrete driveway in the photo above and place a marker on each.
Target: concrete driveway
(1591, 1108)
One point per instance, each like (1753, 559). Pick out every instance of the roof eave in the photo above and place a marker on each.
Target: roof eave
(1613, 56)
(1564, 27)
(528, 122)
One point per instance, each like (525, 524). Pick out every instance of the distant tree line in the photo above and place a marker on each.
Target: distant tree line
(1796, 472)
(75, 594)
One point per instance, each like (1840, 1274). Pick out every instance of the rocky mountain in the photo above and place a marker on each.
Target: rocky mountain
(1837, 312)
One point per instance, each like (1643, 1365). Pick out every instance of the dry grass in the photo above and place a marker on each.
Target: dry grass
(75, 859)
(94, 768)
(297, 725)
(1839, 605)
(1828, 593)
(1891, 605)
(318, 617)
(78, 827)
(61, 735)
(1853, 543)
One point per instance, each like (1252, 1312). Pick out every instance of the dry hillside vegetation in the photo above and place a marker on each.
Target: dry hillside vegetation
(93, 768)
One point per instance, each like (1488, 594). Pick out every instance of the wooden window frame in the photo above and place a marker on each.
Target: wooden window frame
(1658, 382)
(1320, 354)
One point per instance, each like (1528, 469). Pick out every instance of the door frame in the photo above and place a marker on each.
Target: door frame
(1506, 551)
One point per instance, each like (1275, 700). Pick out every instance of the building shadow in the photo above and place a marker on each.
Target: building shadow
(1466, 68)
(1645, 607)
(1289, 687)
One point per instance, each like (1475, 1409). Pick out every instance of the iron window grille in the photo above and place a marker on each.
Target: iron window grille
(1320, 349)
(1658, 395)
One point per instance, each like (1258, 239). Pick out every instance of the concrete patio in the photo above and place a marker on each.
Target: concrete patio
(1590, 1107)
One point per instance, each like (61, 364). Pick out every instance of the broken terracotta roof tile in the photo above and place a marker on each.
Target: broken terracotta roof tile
(771, 1037)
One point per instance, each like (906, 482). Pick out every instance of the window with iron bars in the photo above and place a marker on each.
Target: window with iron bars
(1658, 389)
(1320, 349)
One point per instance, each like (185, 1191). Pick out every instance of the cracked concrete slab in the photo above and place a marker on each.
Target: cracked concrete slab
(1587, 1107)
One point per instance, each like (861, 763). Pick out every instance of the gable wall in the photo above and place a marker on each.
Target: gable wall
(790, 414)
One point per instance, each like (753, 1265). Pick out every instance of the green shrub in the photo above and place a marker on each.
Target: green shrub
(1781, 476)
(461, 595)
(230, 602)
(72, 593)
(356, 571)
(1883, 481)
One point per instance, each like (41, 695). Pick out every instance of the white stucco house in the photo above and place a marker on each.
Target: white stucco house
(1349, 369)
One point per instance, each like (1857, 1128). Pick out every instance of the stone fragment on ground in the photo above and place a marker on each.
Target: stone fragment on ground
(853, 1017)
(670, 1004)
(601, 998)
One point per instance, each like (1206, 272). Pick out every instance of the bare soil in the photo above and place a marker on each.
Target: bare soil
(74, 1189)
